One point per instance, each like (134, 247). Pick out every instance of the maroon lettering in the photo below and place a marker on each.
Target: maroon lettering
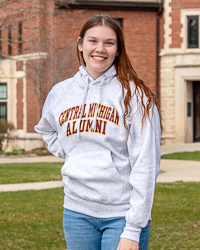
(116, 118)
(68, 129)
(104, 127)
(108, 113)
(82, 126)
(92, 109)
(101, 111)
(106, 109)
(72, 110)
(66, 115)
(76, 112)
(88, 125)
(98, 126)
(74, 131)
(112, 115)
(84, 114)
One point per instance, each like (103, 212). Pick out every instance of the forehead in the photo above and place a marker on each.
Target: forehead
(102, 32)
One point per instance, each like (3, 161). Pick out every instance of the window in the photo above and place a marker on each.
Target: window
(10, 40)
(3, 111)
(193, 32)
(3, 91)
(189, 109)
(20, 38)
(3, 105)
(0, 41)
(120, 21)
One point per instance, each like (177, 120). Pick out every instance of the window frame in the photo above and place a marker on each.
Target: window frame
(4, 101)
(190, 46)
(10, 40)
(121, 22)
(0, 41)
(20, 37)
(4, 84)
(6, 105)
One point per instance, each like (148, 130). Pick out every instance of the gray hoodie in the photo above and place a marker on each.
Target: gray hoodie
(107, 171)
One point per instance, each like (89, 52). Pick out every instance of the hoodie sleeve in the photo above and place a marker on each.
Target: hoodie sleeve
(144, 156)
(47, 127)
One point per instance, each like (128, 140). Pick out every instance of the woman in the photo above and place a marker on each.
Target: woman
(105, 122)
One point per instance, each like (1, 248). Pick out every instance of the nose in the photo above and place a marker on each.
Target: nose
(100, 48)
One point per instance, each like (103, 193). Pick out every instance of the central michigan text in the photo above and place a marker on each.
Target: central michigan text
(105, 114)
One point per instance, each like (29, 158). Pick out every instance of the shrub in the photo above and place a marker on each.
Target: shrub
(8, 153)
(5, 133)
(21, 151)
(14, 152)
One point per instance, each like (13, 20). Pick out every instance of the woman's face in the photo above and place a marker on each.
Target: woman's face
(99, 49)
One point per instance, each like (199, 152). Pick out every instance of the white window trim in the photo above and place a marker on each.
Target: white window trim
(184, 30)
(6, 99)
(167, 24)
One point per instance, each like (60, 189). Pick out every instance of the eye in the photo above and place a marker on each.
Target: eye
(110, 43)
(92, 41)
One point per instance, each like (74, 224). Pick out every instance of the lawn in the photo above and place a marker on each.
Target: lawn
(34, 172)
(190, 156)
(33, 219)
(29, 172)
(176, 220)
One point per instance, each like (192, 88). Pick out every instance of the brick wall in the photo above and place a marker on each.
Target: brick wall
(176, 26)
(49, 29)
(139, 32)
(162, 40)
(27, 12)
(20, 103)
(35, 87)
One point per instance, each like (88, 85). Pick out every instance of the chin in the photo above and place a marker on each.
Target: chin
(99, 70)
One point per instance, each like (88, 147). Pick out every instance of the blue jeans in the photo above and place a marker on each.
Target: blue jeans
(83, 232)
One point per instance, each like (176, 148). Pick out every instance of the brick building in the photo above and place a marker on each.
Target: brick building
(38, 49)
(180, 71)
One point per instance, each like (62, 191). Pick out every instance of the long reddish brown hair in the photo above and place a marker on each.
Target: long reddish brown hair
(125, 72)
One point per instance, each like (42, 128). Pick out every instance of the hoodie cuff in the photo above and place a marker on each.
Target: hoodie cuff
(131, 232)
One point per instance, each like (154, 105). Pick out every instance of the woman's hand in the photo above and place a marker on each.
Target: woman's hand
(126, 244)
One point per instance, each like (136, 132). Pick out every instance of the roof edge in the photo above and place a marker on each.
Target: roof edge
(108, 5)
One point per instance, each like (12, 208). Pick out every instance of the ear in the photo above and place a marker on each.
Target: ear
(117, 53)
(80, 46)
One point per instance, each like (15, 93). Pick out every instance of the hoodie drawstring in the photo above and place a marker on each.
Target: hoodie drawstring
(83, 102)
(100, 96)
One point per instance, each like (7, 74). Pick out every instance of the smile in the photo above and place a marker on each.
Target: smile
(99, 58)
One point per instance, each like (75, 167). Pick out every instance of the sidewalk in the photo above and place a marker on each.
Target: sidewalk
(180, 147)
(31, 186)
(172, 170)
(178, 170)
(49, 158)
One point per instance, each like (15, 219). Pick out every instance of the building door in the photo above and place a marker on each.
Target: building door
(196, 96)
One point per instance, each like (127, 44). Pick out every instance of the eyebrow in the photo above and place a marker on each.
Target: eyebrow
(109, 39)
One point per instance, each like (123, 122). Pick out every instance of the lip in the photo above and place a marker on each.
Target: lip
(98, 58)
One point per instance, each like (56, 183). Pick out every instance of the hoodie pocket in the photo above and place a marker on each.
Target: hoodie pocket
(93, 176)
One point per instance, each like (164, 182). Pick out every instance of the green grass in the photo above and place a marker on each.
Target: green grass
(29, 172)
(14, 152)
(190, 156)
(176, 220)
(33, 219)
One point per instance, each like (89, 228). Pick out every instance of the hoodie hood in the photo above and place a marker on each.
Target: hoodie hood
(85, 81)
(82, 76)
